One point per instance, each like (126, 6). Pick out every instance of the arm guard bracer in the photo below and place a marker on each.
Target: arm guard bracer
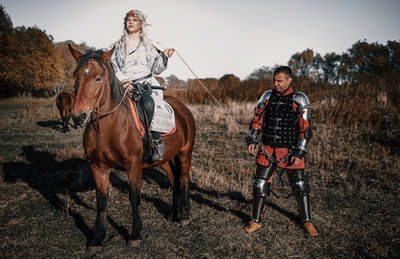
(252, 137)
(303, 108)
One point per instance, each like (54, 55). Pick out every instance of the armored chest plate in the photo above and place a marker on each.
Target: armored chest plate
(279, 127)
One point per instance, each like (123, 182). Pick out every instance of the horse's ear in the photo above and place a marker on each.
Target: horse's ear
(106, 57)
(76, 53)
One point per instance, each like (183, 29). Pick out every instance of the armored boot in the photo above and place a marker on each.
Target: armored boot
(261, 189)
(258, 206)
(301, 189)
(310, 229)
(253, 226)
(159, 147)
(304, 209)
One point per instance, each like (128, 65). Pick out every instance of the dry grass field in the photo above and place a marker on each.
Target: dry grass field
(47, 196)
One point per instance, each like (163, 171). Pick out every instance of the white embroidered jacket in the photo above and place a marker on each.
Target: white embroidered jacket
(136, 66)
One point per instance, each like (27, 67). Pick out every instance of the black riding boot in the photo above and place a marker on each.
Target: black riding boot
(159, 147)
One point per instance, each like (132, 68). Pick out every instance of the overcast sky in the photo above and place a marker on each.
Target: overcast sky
(218, 37)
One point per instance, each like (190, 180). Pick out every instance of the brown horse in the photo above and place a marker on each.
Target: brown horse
(111, 140)
(64, 102)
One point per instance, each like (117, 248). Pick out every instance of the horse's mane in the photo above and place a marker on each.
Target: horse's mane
(117, 91)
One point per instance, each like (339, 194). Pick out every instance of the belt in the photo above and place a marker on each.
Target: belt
(142, 78)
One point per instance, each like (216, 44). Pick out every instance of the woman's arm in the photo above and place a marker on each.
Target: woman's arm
(118, 73)
(160, 59)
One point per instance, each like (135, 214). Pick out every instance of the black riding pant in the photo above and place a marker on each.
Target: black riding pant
(148, 105)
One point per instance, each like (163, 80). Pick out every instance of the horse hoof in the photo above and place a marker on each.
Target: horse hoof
(184, 222)
(134, 243)
(94, 249)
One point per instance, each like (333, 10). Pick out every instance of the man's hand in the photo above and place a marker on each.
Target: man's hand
(294, 160)
(252, 149)
(169, 52)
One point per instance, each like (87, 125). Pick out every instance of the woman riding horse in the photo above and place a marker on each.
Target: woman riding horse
(136, 59)
(112, 140)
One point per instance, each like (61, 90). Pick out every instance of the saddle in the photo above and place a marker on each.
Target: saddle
(140, 119)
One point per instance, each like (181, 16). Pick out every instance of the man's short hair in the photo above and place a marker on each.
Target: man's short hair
(283, 69)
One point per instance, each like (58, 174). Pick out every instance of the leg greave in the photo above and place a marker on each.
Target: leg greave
(261, 189)
(304, 207)
(301, 190)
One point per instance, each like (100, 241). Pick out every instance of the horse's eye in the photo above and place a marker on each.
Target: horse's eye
(98, 79)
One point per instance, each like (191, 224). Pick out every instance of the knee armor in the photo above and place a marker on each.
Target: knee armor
(299, 182)
(260, 187)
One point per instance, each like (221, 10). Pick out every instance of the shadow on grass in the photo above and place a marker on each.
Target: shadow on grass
(56, 125)
(42, 172)
(199, 195)
(52, 124)
(50, 178)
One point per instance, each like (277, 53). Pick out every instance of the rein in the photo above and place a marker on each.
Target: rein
(113, 110)
(95, 108)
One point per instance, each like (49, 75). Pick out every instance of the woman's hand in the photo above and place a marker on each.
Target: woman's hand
(127, 83)
(169, 52)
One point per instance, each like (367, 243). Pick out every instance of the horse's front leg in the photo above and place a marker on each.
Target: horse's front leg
(67, 118)
(102, 181)
(63, 119)
(135, 184)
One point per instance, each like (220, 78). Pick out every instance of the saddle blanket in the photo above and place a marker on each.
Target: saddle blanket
(164, 118)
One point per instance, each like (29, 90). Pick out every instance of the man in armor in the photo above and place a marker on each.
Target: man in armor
(281, 125)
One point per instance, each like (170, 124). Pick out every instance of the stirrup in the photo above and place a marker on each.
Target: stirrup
(158, 151)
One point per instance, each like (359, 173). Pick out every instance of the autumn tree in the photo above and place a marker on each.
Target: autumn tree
(303, 64)
(174, 81)
(29, 65)
(330, 67)
(394, 55)
(263, 72)
(68, 63)
(368, 57)
(7, 51)
(360, 60)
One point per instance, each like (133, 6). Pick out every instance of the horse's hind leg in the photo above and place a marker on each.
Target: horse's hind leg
(181, 201)
(135, 183)
(102, 181)
(167, 167)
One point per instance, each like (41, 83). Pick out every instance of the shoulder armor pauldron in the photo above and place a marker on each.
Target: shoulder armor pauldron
(302, 101)
(265, 97)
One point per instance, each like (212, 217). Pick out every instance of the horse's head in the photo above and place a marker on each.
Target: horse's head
(92, 76)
